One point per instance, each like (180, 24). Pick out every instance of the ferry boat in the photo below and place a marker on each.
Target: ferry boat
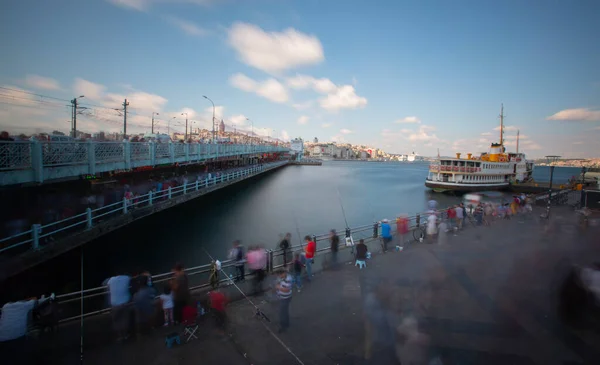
(492, 170)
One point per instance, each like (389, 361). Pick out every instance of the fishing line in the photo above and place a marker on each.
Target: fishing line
(81, 305)
(342, 205)
(258, 313)
(297, 229)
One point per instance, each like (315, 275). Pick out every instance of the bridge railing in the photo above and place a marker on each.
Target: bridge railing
(96, 299)
(39, 235)
(28, 161)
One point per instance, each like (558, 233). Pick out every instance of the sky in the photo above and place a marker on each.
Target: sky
(401, 76)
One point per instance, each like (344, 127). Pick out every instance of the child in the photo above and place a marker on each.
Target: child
(298, 271)
(167, 305)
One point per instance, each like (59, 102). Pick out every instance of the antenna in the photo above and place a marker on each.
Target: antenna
(517, 141)
(502, 125)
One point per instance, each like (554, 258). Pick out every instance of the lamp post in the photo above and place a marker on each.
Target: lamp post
(186, 125)
(551, 159)
(252, 138)
(213, 118)
(153, 114)
(74, 103)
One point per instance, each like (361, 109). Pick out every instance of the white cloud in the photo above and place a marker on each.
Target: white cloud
(285, 136)
(144, 5)
(88, 89)
(423, 135)
(303, 119)
(338, 96)
(326, 125)
(579, 114)
(346, 131)
(270, 89)
(302, 106)
(344, 98)
(274, 52)
(409, 120)
(486, 134)
(578, 142)
(41, 82)
(187, 26)
(508, 128)
(239, 120)
(338, 138)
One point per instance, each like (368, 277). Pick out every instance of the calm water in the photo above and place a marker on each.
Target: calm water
(255, 212)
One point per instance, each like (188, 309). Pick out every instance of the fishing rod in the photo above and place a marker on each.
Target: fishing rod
(81, 305)
(348, 233)
(297, 229)
(258, 313)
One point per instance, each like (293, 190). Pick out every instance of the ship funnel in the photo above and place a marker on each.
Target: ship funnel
(469, 155)
(458, 155)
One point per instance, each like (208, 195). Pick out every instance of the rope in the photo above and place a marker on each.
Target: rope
(259, 313)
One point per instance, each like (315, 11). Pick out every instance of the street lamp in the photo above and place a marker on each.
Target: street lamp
(551, 159)
(74, 103)
(186, 125)
(153, 114)
(169, 126)
(213, 118)
(251, 139)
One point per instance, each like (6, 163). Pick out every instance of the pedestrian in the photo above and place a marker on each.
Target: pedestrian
(284, 293)
(297, 270)
(237, 254)
(257, 261)
(459, 216)
(361, 250)
(386, 234)
(402, 228)
(285, 246)
(309, 255)
(181, 291)
(431, 227)
(118, 288)
(143, 302)
(451, 212)
(166, 300)
(334, 240)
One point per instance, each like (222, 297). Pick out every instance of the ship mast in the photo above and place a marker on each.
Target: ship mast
(517, 141)
(502, 125)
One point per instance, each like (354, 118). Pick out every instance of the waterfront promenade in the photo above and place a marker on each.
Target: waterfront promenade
(486, 296)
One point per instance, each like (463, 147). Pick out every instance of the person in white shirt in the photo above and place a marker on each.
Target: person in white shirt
(167, 305)
(431, 227)
(118, 287)
(14, 320)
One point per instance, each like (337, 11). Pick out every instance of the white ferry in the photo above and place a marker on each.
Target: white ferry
(493, 170)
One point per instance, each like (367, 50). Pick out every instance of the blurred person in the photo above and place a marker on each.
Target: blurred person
(143, 302)
(309, 254)
(166, 299)
(218, 301)
(118, 289)
(431, 227)
(402, 227)
(181, 291)
(460, 216)
(334, 241)
(297, 270)
(237, 255)
(285, 245)
(386, 234)
(283, 289)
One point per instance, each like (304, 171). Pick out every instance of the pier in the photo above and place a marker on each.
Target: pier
(486, 296)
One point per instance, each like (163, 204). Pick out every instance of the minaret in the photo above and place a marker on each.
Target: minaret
(502, 125)
(517, 141)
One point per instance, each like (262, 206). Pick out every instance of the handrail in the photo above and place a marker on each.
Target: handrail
(89, 218)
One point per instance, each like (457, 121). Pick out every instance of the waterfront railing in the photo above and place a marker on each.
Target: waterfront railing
(39, 235)
(35, 161)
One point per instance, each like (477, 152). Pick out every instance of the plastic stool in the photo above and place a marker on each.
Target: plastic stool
(361, 263)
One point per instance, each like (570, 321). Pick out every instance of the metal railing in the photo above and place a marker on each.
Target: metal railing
(34, 238)
(34, 161)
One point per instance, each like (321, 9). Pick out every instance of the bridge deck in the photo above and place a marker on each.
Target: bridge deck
(485, 297)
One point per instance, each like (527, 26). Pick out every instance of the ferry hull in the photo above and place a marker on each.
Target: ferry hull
(442, 187)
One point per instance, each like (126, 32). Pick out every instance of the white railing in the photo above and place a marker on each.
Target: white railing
(34, 161)
(39, 234)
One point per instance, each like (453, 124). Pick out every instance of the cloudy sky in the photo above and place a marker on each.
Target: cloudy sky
(399, 75)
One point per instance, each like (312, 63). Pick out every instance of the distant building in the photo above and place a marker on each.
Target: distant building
(222, 127)
(316, 140)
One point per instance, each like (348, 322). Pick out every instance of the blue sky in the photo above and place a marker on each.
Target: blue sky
(399, 75)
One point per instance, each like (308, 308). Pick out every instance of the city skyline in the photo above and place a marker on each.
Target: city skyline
(398, 76)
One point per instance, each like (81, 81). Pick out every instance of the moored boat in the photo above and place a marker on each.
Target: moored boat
(492, 170)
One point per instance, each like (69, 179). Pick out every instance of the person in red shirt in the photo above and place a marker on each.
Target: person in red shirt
(217, 305)
(451, 217)
(402, 227)
(309, 254)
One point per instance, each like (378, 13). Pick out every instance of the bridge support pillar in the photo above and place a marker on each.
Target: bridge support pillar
(88, 214)
(35, 236)
(37, 161)
(91, 150)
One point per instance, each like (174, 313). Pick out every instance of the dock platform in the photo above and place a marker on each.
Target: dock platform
(485, 296)
(307, 162)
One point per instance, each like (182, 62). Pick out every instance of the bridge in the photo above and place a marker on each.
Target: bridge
(24, 162)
